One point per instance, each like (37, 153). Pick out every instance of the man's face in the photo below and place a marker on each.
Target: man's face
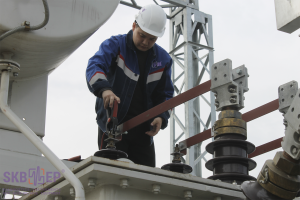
(142, 40)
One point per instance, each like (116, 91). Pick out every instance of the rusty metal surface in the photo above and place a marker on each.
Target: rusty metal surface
(230, 130)
(266, 147)
(230, 122)
(230, 114)
(167, 105)
(272, 188)
(280, 178)
(287, 166)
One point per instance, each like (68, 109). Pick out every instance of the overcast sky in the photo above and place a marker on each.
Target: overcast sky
(243, 31)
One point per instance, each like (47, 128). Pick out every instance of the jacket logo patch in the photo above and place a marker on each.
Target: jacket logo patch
(156, 64)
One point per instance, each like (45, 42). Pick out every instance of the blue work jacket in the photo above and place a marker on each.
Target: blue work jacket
(115, 66)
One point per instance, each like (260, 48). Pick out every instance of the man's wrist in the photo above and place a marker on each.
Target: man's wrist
(101, 91)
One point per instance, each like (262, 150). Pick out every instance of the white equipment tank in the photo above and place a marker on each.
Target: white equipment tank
(39, 52)
(71, 23)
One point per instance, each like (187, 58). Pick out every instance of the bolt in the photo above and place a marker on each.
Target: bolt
(57, 198)
(9, 68)
(27, 23)
(72, 192)
(216, 94)
(15, 74)
(92, 183)
(188, 194)
(232, 100)
(239, 71)
(217, 104)
(124, 183)
(234, 183)
(295, 150)
(232, 90)
(155, 189)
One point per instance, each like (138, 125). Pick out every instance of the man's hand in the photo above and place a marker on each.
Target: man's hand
(108, 98)
(156, 126)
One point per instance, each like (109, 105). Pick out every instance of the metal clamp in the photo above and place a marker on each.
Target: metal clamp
(229, 85)
(266, 179)
(291, 140)
(286, 94)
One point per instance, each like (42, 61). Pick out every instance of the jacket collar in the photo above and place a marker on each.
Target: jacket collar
(129, 43)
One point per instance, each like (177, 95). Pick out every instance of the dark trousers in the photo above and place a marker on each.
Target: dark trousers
(136, 144)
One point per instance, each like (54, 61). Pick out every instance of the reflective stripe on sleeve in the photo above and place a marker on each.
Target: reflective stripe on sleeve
(127, 71)
(155, 76)
(97, 75)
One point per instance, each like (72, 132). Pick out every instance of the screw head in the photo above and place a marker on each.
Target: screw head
(27, 23)
(92, 183)
(217, 104)
(72, 192)
(232, 100)
(239, 71)
(15, 74)
(124, 183)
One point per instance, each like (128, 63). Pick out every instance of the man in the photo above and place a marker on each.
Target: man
(136, 72)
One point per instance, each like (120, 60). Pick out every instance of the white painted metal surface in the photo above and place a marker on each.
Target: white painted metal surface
(38, 143)
(287, 15)
(16, 142)
(71, 23)
(28, 99)
(109, 173)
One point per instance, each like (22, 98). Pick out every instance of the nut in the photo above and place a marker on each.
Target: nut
(285, 165)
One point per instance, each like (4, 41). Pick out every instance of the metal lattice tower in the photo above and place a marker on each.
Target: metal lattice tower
(193, 57)
(191, 48)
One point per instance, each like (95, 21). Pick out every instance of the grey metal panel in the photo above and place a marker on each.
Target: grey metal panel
(17, 142)
(287, 15)
(28, 100)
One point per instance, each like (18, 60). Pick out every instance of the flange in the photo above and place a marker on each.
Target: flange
(6, 64)
(178, 167)
(111, 154)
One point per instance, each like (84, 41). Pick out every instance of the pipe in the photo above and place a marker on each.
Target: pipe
(23, 27)
(54, 160)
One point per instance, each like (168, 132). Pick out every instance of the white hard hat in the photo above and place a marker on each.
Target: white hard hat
(152, 19)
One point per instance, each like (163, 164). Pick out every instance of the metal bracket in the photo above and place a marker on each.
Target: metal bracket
(229, 85)
(291, 140)
(286, 94)
(266, 176)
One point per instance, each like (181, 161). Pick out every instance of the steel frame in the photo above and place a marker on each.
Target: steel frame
(195, 30)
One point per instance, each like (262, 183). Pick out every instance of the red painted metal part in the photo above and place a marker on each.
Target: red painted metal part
(76, 158)
(249, 116)
(261, 111)
(167, 105)
(266, 148)
(186, 96)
